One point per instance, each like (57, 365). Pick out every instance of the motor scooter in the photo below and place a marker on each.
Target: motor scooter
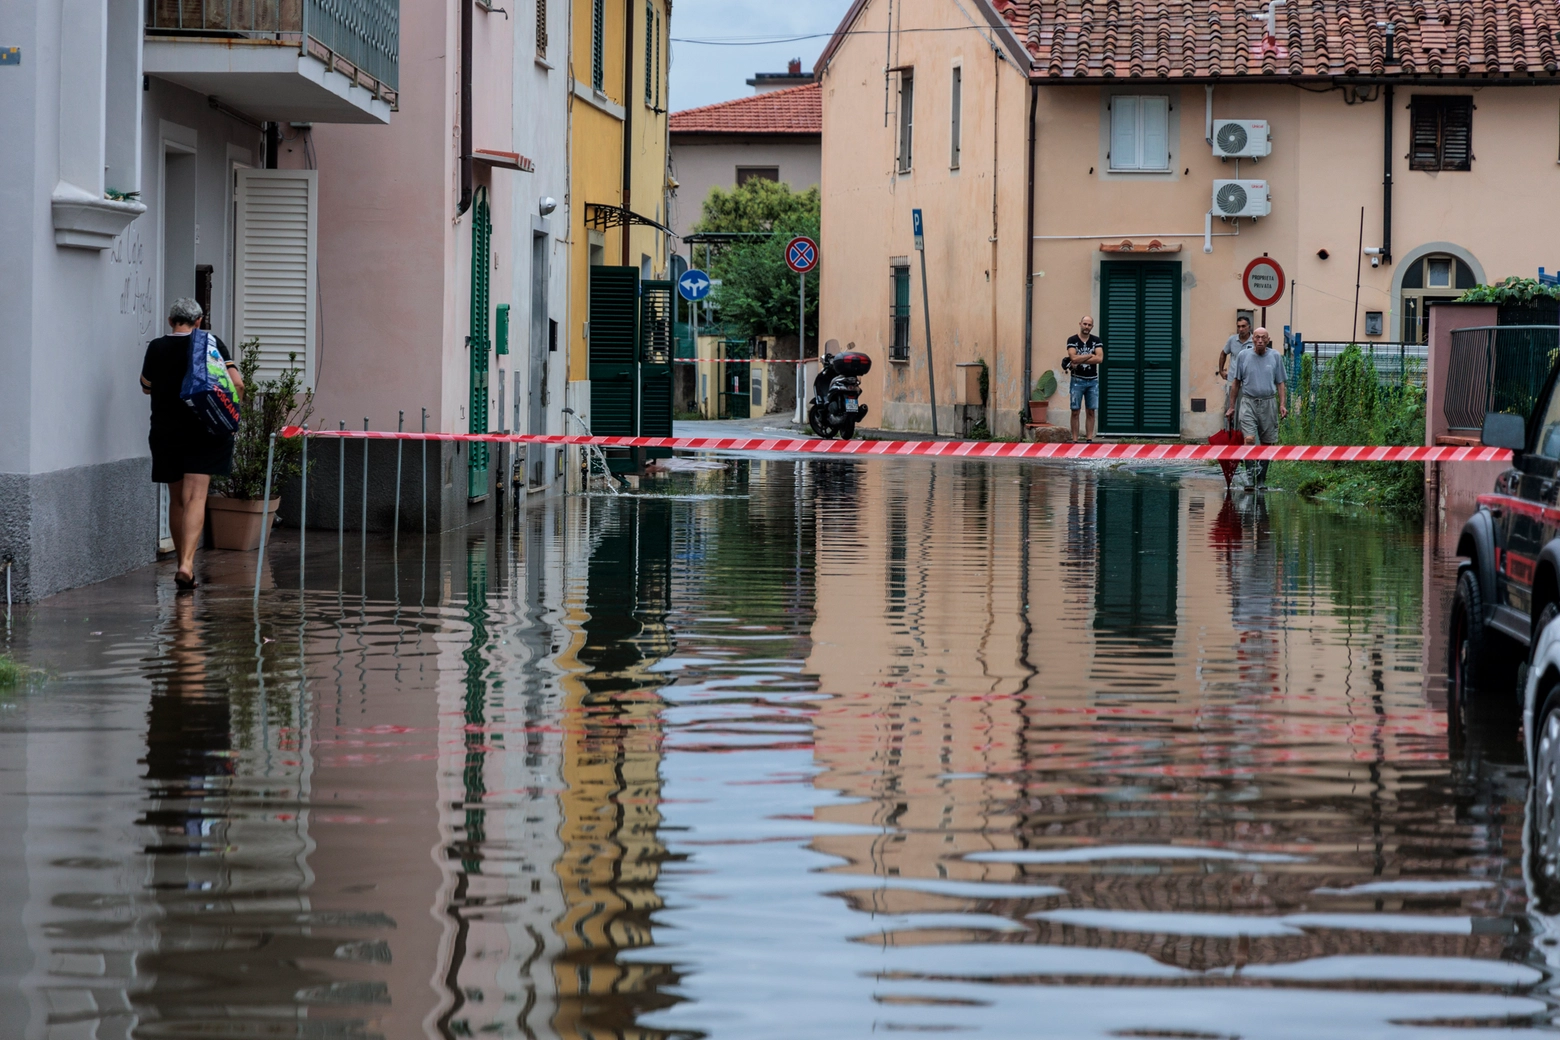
(836, 406)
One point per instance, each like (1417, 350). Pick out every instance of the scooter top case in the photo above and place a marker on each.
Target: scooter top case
(852, 363)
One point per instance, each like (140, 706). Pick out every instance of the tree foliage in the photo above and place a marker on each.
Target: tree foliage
(758, 292)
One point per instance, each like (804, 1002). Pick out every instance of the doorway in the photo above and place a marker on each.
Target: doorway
(536, 371)
(1140, 322)
(178, 224)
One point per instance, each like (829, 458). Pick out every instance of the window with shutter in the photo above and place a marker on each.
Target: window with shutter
(275, 260)
(906, 117)
(1140, 133)
(649, 52)
(956, 104)
(899, 313)
(598, 50)
(541, 28)
(1441, 134)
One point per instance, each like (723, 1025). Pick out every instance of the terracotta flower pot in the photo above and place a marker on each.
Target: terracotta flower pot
(1039, 412)
(235, 522)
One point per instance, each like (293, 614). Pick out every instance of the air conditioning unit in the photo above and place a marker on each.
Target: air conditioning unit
(1241, 199)
(1241, 138)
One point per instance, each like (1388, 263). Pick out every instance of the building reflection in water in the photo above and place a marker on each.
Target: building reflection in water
(783, 749)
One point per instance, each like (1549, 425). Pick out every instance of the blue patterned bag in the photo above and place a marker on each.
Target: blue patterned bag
(208, 389)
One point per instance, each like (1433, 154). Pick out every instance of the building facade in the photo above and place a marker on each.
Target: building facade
(143, 168)
(775, 135)
(1070, 161)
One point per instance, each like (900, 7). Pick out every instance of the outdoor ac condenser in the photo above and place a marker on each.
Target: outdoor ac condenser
(1241, 138)
(1240, 199)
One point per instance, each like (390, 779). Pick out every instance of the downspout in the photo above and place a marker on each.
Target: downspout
(1208, 114)
(628, 118)
(1386, 178)
(466, 8)
(1029, 251)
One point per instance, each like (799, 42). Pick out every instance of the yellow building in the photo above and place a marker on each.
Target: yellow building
(618, 184)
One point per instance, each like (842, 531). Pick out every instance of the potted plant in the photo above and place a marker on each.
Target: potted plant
(235, 509)
(1040, 398)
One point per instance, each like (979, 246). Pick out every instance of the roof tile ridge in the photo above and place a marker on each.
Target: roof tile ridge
(1188, 38)
(1296, 40)
(1351, 47)
(1162, 39)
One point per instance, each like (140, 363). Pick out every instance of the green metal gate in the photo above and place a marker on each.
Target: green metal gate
(655, 358)
(1140, 323)
(478, 343)
(736, 401)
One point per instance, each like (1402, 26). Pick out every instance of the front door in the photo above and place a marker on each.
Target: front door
(1140, 324)
(536, 370)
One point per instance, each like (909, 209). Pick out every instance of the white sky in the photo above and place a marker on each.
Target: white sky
(703, 75)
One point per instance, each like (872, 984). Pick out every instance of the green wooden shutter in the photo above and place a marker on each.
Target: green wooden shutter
(614, 342)
(655, 359)
(501, 332)
(478, 342)
(598, 50)
(1161, 349)
(1140, 324)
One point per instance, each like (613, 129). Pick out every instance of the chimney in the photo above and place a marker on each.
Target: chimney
(794, 66)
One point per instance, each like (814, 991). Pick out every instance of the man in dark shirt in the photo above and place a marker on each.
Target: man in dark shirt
(1085, 352)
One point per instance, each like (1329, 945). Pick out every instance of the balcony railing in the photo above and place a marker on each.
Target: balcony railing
(363, 35)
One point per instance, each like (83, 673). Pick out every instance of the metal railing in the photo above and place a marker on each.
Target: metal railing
(1395, 363)
(1497, 369)
(363, 33)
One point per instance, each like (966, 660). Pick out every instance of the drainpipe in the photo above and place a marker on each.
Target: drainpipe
(1029, 253)
(1208, 114)
(466, 7)
(628, 118)
(1386, 179)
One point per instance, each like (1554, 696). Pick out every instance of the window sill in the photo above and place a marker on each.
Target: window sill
(544, 63)
(1149, 173)
(892, 360)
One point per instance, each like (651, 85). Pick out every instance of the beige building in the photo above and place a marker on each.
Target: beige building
(1131, 163)
(774, 135)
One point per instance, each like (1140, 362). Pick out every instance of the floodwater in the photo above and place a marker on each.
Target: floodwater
(825, 748)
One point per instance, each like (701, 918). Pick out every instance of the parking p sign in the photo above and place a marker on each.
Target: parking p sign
(1263, 281)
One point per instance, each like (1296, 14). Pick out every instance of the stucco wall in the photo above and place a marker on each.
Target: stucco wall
(702, 161)
(1325, 168)
(975, 214)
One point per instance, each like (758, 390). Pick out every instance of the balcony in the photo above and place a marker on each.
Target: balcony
(299, 61)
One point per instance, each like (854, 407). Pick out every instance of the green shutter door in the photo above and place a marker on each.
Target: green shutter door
(614, 335)
(655, 359)
(478, 343)
(1141, 326)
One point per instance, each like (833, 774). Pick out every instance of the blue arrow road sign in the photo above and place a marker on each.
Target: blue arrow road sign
(915, 224)
(695, 285)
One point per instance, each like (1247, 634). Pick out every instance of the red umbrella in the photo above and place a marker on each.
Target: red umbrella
(1228, 435)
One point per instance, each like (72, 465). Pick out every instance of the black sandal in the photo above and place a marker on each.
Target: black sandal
(185, 584)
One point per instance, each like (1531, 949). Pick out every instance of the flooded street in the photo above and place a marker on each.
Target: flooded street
(822, 748)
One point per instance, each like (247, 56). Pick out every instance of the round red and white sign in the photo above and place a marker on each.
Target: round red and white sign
(801, 254)
(1263, 281)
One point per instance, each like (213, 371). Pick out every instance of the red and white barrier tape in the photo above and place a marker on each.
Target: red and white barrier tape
(966, 449)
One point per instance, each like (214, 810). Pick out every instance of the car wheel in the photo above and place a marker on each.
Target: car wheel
(1545, 616)
(1546, 796)
(1478, 668)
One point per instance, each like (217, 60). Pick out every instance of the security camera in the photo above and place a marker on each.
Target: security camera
(1374, 252)
(1375, 261)
(546, 204)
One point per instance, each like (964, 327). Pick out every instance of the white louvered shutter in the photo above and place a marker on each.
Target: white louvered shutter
(274, 266)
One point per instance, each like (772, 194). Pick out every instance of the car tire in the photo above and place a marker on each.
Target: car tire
(1476, 668)
(1545, 808)
(1545, 616)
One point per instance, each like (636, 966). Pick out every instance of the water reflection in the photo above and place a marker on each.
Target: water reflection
(785, 748)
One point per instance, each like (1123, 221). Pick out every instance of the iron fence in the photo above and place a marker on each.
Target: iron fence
(364, 33)
(1395, 363)
(1497, 369)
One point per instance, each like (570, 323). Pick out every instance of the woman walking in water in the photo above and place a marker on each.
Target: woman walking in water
(185, 453)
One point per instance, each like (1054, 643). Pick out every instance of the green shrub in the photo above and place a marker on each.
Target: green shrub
(1511, 291)
(1349, 404)
(269, 405)
(11, 673)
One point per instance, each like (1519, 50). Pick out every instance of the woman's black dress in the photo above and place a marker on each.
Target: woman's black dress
(180, 441)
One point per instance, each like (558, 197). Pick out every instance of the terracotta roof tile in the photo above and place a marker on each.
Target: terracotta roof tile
(793, 110)
(1170, 39)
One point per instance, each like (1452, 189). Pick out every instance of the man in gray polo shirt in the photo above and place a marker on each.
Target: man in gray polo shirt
(1258, 392)
(1232, 348)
